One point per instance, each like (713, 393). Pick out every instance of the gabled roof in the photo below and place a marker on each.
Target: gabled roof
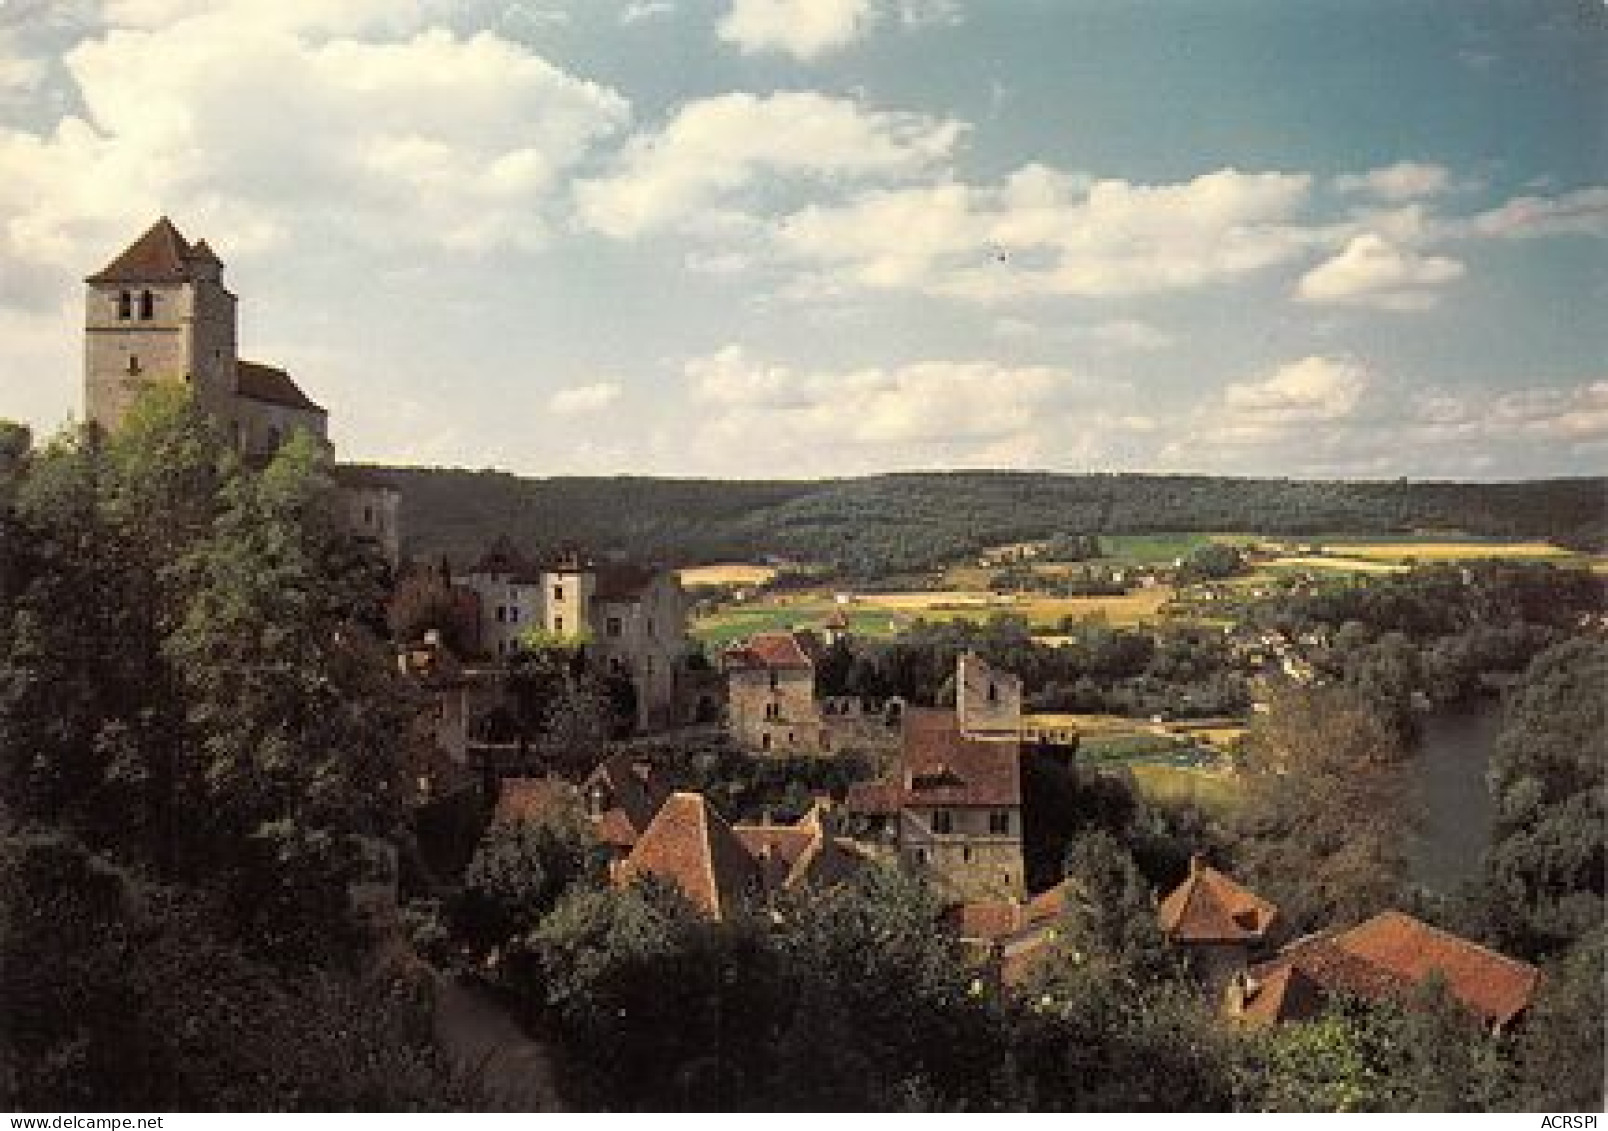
(805, 854)
(161, 255)
(621, 581)
(272, 385)
(630, 794)
(939, 766)
(690, 845)
(1385, 958)
(775, 651)
(1208, 907)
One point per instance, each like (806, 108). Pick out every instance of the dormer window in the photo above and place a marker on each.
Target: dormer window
(147, 306)
(125, 304)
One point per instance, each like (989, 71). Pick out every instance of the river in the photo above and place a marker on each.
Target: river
(1455, 809)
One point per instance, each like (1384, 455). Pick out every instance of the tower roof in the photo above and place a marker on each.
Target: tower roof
(161, 255)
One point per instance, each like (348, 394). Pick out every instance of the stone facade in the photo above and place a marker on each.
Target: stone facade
(988, 702)
(772, 706)
(952, 807)
(160, 313)
(630, 619)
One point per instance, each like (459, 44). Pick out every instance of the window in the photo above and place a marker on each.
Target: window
(368, 516)
(613, 626)
(147, 306)
(999, 822)
(773, 710)
(513, 614)
(558, 624)
(650, 626)
(502, 614)
(765, 741)
(558, 592)
(774, 681)
(125, 304)
(943, 822)
(965, 854)
(993, 692)
(921, 856)
(133, 363)
(649, 665)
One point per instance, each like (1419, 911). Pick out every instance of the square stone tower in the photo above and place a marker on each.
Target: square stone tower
(988, 702)
(158, 312)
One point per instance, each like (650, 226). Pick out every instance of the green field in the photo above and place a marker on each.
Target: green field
(1173, 785)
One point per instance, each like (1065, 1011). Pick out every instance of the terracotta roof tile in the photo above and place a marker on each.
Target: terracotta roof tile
(271, 385)
(1385, 958)
(779, 650)
(624, 795)
(939, 766)
(1208, 907)
(530, 799)
(690, 845)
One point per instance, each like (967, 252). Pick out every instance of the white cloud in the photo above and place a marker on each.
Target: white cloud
(1046, 232)
(1372, 271)
(804, 29)
(430, 140)
(639, 11)
(1406, 180)
(1122, 335)
(1312, 389)
(717, 147)
(579, 400)
(929, 413)
(1582, 212)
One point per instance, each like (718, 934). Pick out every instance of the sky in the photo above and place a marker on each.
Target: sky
(800, 238)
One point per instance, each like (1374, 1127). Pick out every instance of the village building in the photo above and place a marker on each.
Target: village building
(621, 796)
(630, 620)
(1218, 924)
(1387, 958)
(1007, 938)
(725, 870)
(159, 313)
(772, 705)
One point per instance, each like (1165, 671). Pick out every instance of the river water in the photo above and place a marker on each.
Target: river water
(1454, 807)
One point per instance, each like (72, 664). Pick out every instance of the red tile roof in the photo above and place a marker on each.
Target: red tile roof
(939, 766)
(691, 846)
(775, 650)
(1385, 958)
(1208, 907)
(531, 799)
(161, 255)
(272, 386)
(625, 795)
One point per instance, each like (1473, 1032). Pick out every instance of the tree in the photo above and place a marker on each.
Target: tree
(1322, 826)
(1545, 869)
(519, 871)
(1560, 1052)
(1111, 913)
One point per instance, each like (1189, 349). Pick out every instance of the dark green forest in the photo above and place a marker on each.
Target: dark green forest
(887, 523)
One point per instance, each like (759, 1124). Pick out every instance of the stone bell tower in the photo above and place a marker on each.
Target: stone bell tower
(158, 312)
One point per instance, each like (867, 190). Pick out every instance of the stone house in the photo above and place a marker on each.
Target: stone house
(772, 706)
(725, 870)
(1219, 924)
(159, 312)
(630, 619)
(952, 809)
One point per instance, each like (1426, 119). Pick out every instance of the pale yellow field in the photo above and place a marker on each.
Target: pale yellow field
(732, 573)
(1443, 551)
(921, 601)
(1358, 564)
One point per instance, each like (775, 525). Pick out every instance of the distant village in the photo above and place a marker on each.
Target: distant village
(947, 801)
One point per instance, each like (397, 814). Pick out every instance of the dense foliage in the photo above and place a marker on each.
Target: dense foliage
(889, 523)
(201, 750)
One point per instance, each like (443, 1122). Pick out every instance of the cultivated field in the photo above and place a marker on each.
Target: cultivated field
(730, 573)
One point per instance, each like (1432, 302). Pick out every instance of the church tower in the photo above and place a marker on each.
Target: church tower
(158, 312)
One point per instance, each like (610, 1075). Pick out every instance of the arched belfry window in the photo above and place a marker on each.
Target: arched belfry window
(125, 304)
(147, 306)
